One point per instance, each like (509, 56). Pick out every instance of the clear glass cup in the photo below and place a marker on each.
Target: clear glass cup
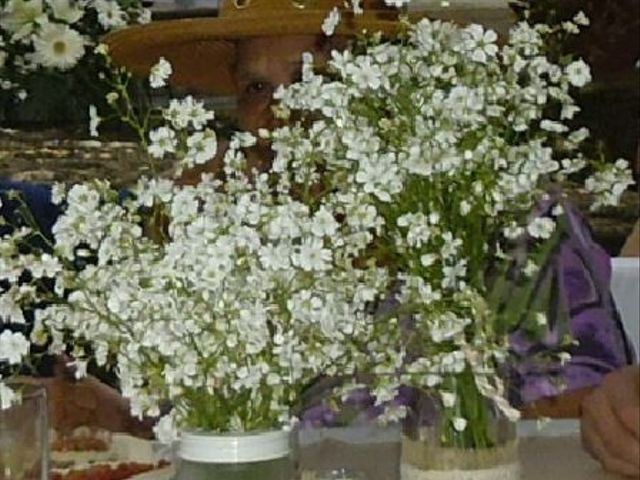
(483, 447)
(335, 474)
(362, 451)
(24, 451)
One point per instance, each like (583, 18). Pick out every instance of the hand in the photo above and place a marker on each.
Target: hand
(610, 422)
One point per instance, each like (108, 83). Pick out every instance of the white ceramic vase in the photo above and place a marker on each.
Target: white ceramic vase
(247, 456)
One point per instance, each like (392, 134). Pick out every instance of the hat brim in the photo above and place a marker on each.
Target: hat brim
(202, 50)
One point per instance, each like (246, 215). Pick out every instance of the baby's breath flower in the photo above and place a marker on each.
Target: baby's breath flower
(163, 141)
(609, 183)
(460, 424)
(552, 126)
(8, 397)
(160, 73)
(578, 73)
(112, 97)
(331, 22)
(13, 347)
(396, 188)
(448, 399)
(202, 146)
(541, 227)
(541, 319)
(102, 49)
(94, 121)
(581, 19)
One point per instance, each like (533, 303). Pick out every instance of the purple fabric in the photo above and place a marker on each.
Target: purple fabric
(581, 269)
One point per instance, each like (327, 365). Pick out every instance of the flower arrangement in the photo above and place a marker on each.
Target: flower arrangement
(449, 142)
(409, 170)
(228, 307)
(46, 49)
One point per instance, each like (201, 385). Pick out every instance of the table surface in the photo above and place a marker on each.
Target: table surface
(542, 458)
(554, 453)
(558, 458)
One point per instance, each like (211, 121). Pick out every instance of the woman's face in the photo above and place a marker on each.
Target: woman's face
(263, 64)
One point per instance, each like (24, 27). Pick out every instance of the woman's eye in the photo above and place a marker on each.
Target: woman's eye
(257, 87)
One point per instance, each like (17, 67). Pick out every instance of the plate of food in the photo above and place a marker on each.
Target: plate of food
(87, 454)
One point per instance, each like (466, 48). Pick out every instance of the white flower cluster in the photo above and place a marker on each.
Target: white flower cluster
(448, 141)
(248, 297)
(186, 135)
(609, 183)
(404, 174)
(57, 34)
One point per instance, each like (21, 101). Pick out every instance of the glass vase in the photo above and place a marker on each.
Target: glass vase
(366, 451)
(24, 451)
(465, 437)
(267, 455)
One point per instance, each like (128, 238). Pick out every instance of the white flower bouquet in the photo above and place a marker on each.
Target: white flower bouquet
(407, 172)
(446, 144)
(226, 300)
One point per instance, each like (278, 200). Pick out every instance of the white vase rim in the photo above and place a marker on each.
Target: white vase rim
(202, 447)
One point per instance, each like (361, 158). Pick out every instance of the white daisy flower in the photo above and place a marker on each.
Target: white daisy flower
(482, 43)
(58, 46)
(19, 17)
(66, 10)
(110, 14)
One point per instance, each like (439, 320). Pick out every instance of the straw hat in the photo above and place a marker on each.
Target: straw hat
(202, 50)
